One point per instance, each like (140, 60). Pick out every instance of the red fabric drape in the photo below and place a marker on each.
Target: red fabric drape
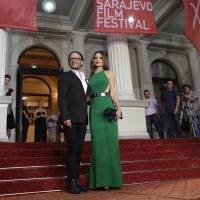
(18, 14)
(192, 21)
(124, 16)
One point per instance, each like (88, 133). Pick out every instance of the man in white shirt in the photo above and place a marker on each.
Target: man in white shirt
(51, 120)
(72, 102)
(151, 114)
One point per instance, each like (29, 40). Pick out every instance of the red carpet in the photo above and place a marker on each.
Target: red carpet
(35, 167)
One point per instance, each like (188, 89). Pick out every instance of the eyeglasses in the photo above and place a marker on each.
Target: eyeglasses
(76, 59)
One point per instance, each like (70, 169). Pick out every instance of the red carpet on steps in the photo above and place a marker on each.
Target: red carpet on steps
(39, 167)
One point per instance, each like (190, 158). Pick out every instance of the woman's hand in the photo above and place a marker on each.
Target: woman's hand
(119, 113)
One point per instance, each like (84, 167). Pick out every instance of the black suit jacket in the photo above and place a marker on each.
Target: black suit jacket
(72, 100)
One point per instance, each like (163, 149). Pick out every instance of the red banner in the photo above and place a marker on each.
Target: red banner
(124, 16)
(192, 21)
(18, 14)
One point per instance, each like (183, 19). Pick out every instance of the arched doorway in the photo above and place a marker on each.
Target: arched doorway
(39, 57)
(37, 78)
(162, 71)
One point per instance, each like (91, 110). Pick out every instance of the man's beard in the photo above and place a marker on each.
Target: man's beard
(77, 68)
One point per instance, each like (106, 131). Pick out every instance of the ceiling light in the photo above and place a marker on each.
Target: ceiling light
(33, 66)
(130, 19)
(49, 6)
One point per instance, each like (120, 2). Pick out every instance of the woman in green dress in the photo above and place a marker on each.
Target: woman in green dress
(105, 167)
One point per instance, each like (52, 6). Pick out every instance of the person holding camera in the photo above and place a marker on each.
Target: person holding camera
(51, 120)
(172, 101)
(193, 98)
(105, 167)
(151, 115)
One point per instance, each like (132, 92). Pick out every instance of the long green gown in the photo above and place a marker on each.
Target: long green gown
(105, 167)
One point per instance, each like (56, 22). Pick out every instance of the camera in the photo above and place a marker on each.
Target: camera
(182, 90)
(162, 86)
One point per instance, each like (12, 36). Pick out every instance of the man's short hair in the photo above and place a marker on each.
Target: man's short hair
(77, 53)
(189, 86)
(146, 91)
(49, 109)
(170, 80)
(7, 76)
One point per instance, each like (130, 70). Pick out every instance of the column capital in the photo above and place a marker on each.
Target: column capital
(141, 43)
(191, 50)
(131, 49)
(78, 36)
(116, 37)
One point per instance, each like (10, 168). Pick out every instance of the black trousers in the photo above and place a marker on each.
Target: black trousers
(173, 125)
(75, 139)
(25, 125)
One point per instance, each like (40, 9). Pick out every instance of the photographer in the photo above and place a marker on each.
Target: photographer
(51, 125)
(172, 101)
(191, 104)
(192, 97)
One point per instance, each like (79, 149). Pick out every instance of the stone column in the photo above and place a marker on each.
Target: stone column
(3, 45)
(144, 67)
(134, 72)
(79, 45)
(195, 69)
(119, 62)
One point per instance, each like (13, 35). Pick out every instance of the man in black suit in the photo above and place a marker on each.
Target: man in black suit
(72, 102)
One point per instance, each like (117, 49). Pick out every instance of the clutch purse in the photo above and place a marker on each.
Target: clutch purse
(10, 121)
(111, 113)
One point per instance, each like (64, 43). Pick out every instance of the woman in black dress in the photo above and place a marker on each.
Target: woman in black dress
(40, 116)
(8, 91)
(25, 120)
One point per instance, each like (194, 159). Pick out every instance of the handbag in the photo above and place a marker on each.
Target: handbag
(10, 120)
(111, 113)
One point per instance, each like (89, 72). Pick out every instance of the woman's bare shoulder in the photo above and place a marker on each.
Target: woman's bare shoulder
(109, 72)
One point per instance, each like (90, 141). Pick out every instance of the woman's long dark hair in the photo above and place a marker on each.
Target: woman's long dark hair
(105, 62)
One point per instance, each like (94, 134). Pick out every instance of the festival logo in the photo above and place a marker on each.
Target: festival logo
(124, 16)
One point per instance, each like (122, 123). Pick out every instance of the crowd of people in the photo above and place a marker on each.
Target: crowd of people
(75, 92)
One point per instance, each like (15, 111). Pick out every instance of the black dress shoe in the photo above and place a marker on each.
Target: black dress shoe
(74, 188)
(104, 188)
(81, 187)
